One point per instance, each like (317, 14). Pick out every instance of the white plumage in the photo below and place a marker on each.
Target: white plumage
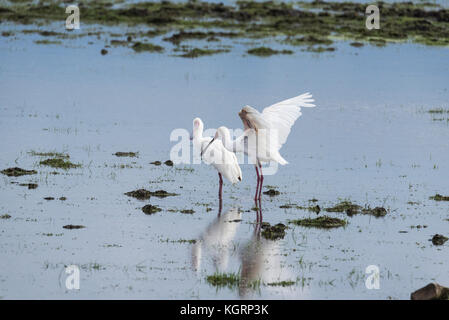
(265, 132)
(214, 153)
(282, 115)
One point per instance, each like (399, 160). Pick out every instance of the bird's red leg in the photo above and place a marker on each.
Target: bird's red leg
(220, 190)
(257, 187)
(261, 182)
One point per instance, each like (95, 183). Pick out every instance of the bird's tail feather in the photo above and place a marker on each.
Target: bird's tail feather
(279, 159)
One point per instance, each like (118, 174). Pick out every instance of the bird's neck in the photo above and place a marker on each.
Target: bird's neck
(227, 141)
(197, 133)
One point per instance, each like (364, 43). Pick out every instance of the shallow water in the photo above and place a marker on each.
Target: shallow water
(370, 140)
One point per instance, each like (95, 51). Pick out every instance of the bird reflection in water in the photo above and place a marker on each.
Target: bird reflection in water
(216, 242)
(259, 258)
(260, 261)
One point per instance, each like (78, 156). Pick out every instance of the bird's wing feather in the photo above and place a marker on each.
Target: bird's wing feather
(223, 160)
(282, 115)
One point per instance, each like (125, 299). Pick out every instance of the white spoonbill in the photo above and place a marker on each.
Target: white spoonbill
(265, 132)
(214, 153)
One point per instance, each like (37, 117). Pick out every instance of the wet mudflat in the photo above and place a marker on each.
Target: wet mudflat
(93, 132)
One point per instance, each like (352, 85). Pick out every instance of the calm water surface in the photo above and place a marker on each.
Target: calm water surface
(370, 140)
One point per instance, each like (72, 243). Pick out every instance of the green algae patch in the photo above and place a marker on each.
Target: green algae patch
(29, 185)
(17, 172)
(315, 209)
(273, 232)
(319, 49)
(352, 209)
(323, 222)
(377, 211)
(126, 154)
(52, 154)
(285, 283)
(45, 41)
(73, 226)
(356, 44)
(308, 40)
(439, 197)
(140, 194)
(150, 209)
(118, 43)
(143, 194)
(181, 36)
(302, 23)
(272, 193)
(147, 47)
(344, 206)
(59, 163)
(189, 241)
(183, 211)
(438, 111)
(197, 52)
(266, 52)
(162, 194)
(229, 280)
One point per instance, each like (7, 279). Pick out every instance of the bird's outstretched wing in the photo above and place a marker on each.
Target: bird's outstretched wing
(282, 115)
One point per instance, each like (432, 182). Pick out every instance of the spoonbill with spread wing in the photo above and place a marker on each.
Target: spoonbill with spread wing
(265, 133)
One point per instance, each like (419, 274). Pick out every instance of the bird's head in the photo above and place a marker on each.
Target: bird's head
(197, 128)
(222, 133)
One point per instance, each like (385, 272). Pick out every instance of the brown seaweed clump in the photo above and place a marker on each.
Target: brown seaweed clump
(323, 222)
(59, 163)
(272, 192)
(266, 52)
(29, 185)
(352, 209)
(143, 194)
(73, 226)
(150, 209)
(126, 154)
(273, 232)
(439, 239)
(17, 172)
(169, 163)
(439, 197)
